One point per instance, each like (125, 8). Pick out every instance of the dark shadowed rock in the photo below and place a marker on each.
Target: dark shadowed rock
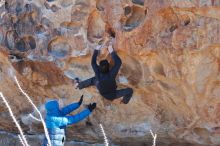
(18, 8)
(127, 10)
(11, 37)
(20, 45)
(25, 43)
(39, 29)
(136, 18)
(54, 8)
(30, 40)
(139, 2)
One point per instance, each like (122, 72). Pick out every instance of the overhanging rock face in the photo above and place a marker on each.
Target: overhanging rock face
(171, 58)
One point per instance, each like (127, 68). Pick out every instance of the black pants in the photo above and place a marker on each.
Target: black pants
(125, 93)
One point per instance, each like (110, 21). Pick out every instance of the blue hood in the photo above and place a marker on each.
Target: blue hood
(52, 108)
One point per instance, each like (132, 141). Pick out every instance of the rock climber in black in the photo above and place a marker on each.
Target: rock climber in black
(104, 78)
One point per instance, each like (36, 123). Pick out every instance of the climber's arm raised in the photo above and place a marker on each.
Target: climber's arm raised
(71, 107)
(95, 67)
(116, 58)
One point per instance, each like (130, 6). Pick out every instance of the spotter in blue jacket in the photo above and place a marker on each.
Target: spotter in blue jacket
(57, 120)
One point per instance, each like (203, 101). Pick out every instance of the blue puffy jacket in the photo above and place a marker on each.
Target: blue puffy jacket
(56, 120)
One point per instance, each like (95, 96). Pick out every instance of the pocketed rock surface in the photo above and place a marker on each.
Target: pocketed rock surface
(171, 58)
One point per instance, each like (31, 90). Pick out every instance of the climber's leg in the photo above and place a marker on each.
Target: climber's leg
(86, 83)
(126, 93)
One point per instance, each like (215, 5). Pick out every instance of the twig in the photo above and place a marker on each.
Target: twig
(41, 117)
(154, 138)
(104, 135)
(33, 117)
(22, 142)
(23, 139)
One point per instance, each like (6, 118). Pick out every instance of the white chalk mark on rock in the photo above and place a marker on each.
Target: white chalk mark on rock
(23, 139)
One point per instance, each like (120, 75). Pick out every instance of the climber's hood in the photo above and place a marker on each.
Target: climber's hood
(52, 107)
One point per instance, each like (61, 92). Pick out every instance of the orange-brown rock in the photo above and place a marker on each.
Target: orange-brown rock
(171, 58)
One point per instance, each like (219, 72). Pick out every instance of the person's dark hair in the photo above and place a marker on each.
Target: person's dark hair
(104, 66)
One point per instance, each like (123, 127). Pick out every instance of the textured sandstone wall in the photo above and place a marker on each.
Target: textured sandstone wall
(171, 58)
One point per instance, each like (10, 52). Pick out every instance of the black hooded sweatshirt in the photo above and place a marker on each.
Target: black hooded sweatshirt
(105, 82)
